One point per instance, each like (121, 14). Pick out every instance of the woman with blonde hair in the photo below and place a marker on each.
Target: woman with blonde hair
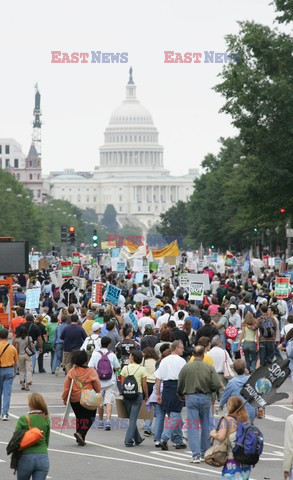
(34, 460)
(232, 470)
(249, 337)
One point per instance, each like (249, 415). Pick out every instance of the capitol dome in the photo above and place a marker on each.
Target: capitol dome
(131, 138)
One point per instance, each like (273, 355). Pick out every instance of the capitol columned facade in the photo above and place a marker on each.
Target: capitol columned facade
(131, 175)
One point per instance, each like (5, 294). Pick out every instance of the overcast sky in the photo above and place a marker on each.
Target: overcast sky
(78, 99)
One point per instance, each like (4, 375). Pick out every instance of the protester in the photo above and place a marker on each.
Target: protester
(250, 339)
(268, 329)
(73, 336)
(168, 373)
(82, 377)
(126, 346)
(34, 461)
(8, 362)
(228, 429)
(197, 381)
(150, 359)
(87, 325)
(149, 339)
(208, 330)
(93, 341)
(109, 368)
(58, 346)
(21, 342)
(113, 335)
(145, 320)
(134, 368)
(51, 327)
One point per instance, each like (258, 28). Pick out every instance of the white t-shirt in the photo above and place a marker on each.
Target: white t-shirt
(97, 341)
(286, 329)
(219, 355)
(145, 321)
(170, 367)
(164, 319)
(215, 285)
(94, 360)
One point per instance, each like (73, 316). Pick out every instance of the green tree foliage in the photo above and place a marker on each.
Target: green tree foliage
(130, 231)
(174, 222)
(109, 219)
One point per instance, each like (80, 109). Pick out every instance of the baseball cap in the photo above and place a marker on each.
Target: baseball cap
(96, 326)
(148, 328)
(146, 310)
(159, 304)
(233, 306)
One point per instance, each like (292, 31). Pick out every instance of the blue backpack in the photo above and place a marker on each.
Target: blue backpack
(249, 444)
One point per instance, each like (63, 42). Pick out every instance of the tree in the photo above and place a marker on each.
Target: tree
(109, 219)
(174, 222)
(132, 231)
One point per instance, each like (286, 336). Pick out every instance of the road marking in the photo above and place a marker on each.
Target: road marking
(2, 461)
(275, 419)
(194, 469)
(275, 454)
(271, 459)
(272, 445)
(286, 408)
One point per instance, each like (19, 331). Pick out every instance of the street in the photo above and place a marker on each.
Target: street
(105, 456)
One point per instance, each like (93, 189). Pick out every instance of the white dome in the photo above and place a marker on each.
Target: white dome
(131, 112)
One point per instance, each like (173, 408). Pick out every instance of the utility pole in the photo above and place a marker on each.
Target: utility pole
(288, 228)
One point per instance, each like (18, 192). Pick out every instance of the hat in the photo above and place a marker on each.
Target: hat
(148, 328)
(233, 300)
(146, 310)
(96, 326)
(191, 310)
(233, 307)
(159, 304)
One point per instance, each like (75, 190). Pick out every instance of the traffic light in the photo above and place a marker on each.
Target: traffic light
(72, 234)
(63, 234)
(282, 210)
(95, 239)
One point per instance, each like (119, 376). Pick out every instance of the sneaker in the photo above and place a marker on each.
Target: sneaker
(157, 444)
(164, 445)
(147, 434)
(57, 371)
(180, 446)
(5, 418)
(100, 424)
(108, 425)
(195, 459)
(79, 439)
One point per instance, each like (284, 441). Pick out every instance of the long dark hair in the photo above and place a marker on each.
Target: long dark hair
(21, 332)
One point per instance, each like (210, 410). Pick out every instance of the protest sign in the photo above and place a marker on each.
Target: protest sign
(228, 259)
(97, 288)
(32, 298)
(166, 270)
(75, 258)
(214, 257)
(68, 293)
(145, 268)
(261, 387)
(153, 266)
(34, 261)
(196, 291)
(76, 270)
(184, 280)
(106, 260)
(202, 278)
(121, 267)
(66, 269)
(137, 265)
(170, 260)
(112, 294)
(139, 277)
(43, 264)
(115, 252)
(55, 279)
(282, 287)
(114, 262)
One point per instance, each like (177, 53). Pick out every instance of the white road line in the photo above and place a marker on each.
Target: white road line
(271, 459)
(2, 461)
(275, 419)
(275, 454)
(284, 406)
(194, 469)
(272, 445)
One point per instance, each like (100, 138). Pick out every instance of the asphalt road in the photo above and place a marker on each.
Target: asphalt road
(105, 456)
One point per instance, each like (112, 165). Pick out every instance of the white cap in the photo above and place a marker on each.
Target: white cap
(233, 306)
(96, 326)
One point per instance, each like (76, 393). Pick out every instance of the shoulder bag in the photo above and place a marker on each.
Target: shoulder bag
(32, 435)
(28, 350)
(217, 454)
(227, 371)
(89, 399)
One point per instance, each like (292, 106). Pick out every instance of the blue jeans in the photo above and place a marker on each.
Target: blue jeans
(6, 381)
(198, 413)
(132, 408)
(57, 358)
(266, 353)
(159, 422)
(224, 340)
(249, 349)
(173, 428)
(148, 426)
(33, 465)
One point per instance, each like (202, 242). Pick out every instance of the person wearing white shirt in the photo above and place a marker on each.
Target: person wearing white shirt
(219, 355)
(234, 318)
(286, 329)
(145, 320)
(165, 318)
(108, 386)
(94, 337)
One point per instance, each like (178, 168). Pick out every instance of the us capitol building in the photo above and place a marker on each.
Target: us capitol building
(131, 174)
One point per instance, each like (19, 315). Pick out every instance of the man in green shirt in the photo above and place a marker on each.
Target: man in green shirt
(198, 380)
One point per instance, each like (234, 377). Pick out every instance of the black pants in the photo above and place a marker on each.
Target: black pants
(84, 418)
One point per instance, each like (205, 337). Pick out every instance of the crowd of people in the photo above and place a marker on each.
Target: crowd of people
(169, 351)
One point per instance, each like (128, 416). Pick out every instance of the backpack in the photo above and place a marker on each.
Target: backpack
(248, 445)
(104, 368)
(289, 349)
(268, 328)
(130, 387)
(124, 292)
(90, 347)
(247, 309)
(281, 309)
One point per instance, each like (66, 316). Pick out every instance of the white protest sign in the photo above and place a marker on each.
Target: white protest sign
(114, 261)
(200, 277)
(184, 280)
(137, 265)
(32, 298)
(120, 267)
(196, 291)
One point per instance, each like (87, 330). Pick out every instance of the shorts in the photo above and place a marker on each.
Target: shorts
(108, 394)
(67, 361)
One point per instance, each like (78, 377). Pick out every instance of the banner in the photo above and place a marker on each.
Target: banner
(112, 294)
(261, 387)
(170, 260)
(282, 287)
(97, 288)
(196, 291)
(32, 298)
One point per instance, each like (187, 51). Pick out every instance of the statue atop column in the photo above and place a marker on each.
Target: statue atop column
(130, 81)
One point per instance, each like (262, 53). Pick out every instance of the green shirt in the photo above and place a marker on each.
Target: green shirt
(51, 327)
(198, 377)
(43, 424)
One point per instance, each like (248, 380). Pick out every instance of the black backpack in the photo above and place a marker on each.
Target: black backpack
(268, 328)
(130, 387)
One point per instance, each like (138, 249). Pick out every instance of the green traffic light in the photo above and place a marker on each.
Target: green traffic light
(95, 238)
